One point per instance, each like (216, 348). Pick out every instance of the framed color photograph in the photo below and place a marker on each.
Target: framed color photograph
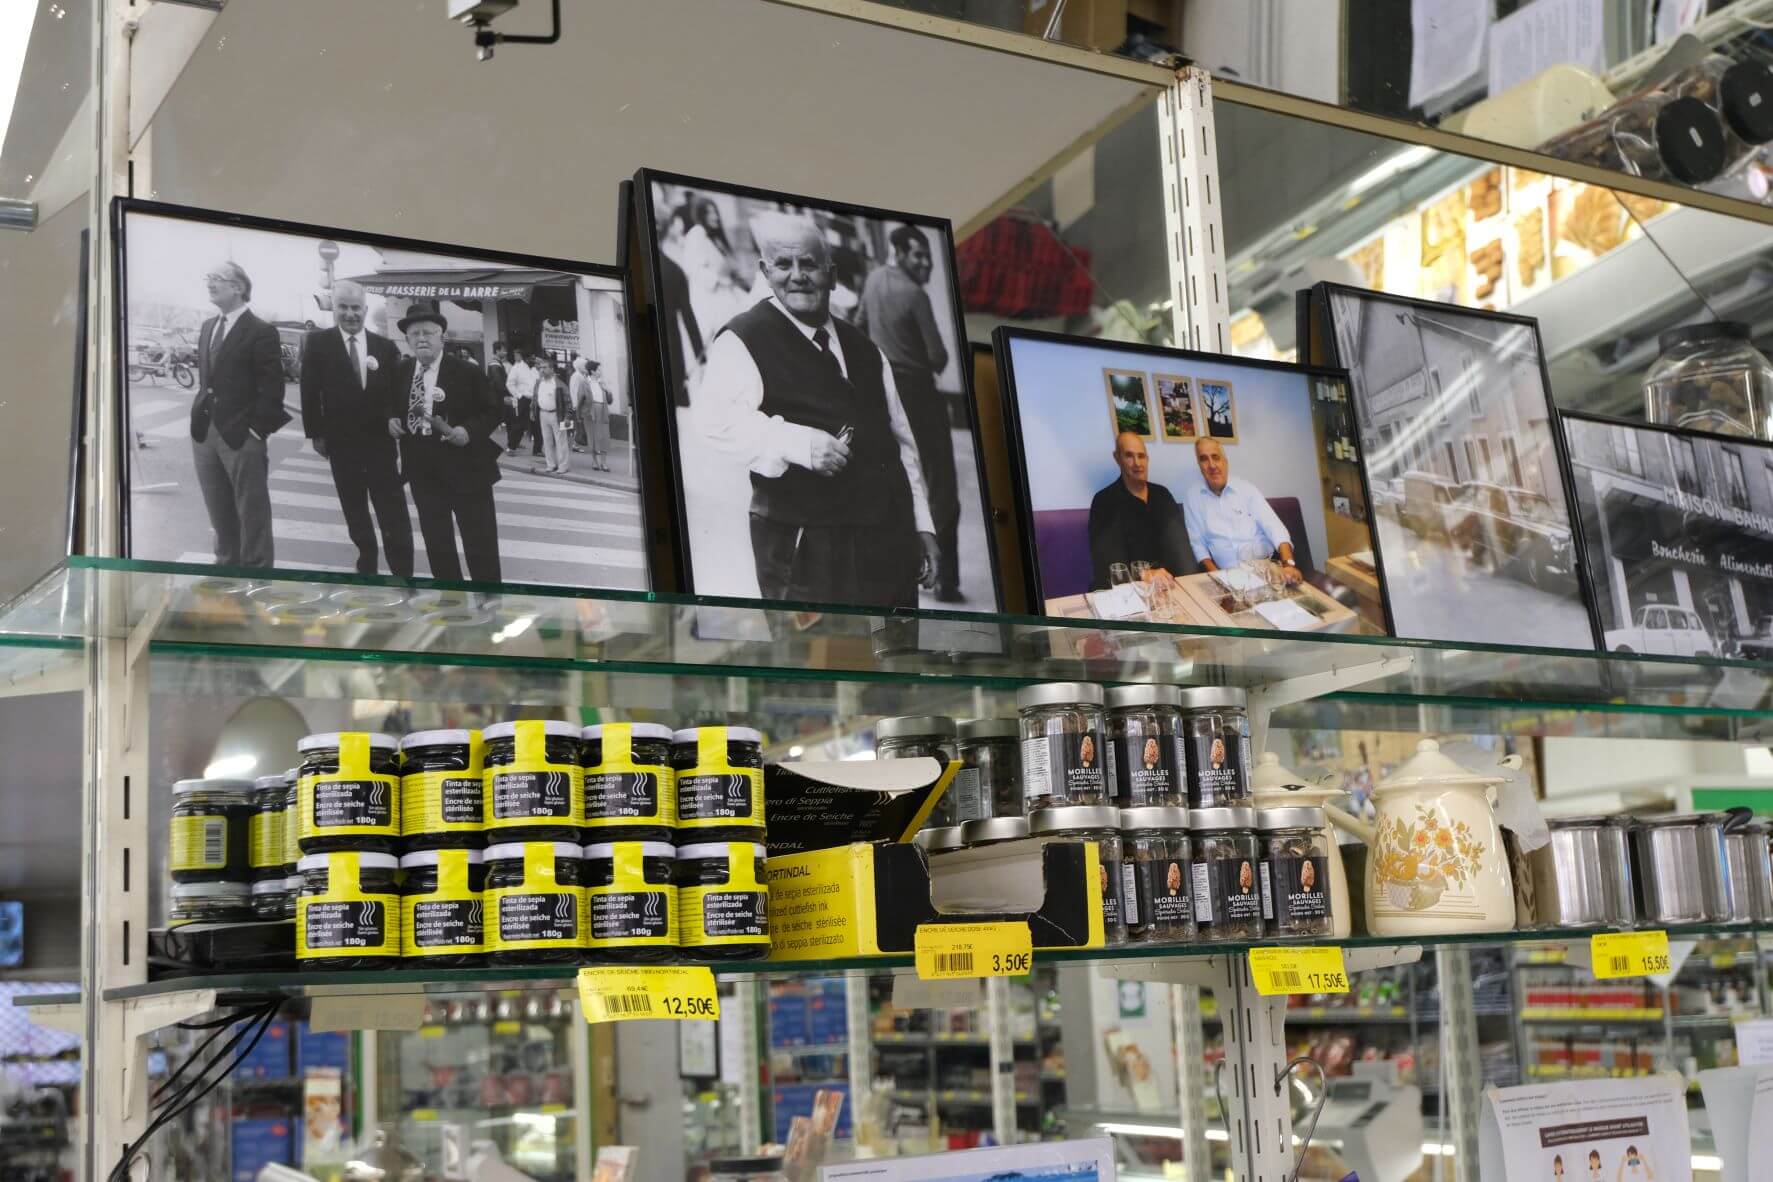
(1129, 403)
(1270, 530)
(1467, 468)
(1175, 407)
(1218, 410)
(820, 418)
(1679, 533)
(302, 397)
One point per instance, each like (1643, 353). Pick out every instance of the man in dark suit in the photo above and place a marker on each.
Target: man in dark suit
(443, 414)
(347, 375)
(239, 405)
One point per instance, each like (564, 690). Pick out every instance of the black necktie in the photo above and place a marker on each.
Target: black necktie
(822, 339)
(356, 361)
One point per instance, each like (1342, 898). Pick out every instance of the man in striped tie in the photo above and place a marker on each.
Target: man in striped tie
(347, 374)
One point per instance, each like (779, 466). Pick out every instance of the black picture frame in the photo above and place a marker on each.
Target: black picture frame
(1319, 318)
(1598, 573)
(644, 261)
(76, 518)
(1002, 339)
(123, 209)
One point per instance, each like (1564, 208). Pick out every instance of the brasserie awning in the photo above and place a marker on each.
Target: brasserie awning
(463, 283)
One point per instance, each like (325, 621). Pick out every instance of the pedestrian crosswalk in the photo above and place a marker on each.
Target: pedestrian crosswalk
(550, 530)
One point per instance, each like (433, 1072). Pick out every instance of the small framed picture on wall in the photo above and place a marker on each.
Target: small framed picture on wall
(1175, 406)
(1218, 409)
(1129, 405)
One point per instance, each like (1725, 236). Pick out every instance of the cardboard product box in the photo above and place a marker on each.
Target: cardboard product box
(827, 1016)
(270, 1058)
(788, 1020)
(821, 805)
(259, 1143)
(322, 1050)
(868, 899)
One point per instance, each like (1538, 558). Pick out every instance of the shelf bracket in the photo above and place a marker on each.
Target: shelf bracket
(142, 1016)
(1266, 698)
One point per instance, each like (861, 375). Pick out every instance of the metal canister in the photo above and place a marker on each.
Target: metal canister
(1582, 876)
(1680, 868)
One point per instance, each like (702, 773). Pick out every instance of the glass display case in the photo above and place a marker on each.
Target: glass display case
(1161, 205)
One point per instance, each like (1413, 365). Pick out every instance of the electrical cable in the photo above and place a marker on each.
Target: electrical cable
(161, 1096)
(218, 1027)
(257, 1021)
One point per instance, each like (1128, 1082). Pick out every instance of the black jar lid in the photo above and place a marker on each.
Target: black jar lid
(1693, 334)
(236, 788)
(1745, 95)
(1073, 818)
(512, 851)
(329, 741)
(1690, 140)
(444, 738)
(1154, 816)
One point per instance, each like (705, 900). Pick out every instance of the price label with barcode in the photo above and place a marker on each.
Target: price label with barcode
(1298, 970)
(947, 951)
(1629, 954)
(678, 992)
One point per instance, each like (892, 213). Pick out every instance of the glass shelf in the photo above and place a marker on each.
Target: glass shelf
(494, 978)
(425, 640)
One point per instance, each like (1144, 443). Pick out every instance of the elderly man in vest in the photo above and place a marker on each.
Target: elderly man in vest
(839, 510)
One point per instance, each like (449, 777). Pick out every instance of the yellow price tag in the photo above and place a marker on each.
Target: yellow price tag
(948, 951)
(432, 1031)
(1298, 970)
(1629, 954)
(507, 1027)
(677, 992)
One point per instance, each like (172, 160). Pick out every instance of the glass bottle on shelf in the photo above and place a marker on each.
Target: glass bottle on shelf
(1710, 377)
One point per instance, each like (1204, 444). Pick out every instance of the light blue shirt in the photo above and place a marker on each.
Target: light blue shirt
(1232, 526)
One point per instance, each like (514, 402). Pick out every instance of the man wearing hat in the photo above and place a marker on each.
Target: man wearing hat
(443, 414)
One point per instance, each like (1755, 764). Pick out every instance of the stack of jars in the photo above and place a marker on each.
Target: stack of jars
(533, 842)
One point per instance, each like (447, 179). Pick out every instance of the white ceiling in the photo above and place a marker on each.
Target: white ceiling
(377, 116)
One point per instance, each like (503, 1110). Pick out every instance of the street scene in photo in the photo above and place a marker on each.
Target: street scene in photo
(1680, 538)
(1475, 532)
(323, 440)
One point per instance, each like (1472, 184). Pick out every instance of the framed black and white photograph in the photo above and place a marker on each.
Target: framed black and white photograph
(1679, 532)
(821, 423)
(1466, 463)
(1129, 403)
(1269, 530)
(302, 397)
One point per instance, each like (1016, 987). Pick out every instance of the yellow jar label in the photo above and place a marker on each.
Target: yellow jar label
(450, 921)
(715, 794)
(265, 838)
(620, 792)
(733, 912)
(199, 843)
(446, 802)
(351, 802)
(630, 912)
(292, 831)
(345, 920)
(531, 791)
(951, 951)
(1279, 971)
(540, 913)
(678, 991)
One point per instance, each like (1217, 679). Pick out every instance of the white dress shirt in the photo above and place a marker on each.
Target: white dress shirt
(548, 394)
(1232, 526)
(362, 339)
(520, 382)
(229, 319)
(727, 400)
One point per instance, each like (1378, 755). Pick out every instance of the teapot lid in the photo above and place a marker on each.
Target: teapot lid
(1428, 768)
(1270, 773)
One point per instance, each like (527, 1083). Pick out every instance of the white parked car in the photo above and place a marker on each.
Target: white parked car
(1665, 629)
